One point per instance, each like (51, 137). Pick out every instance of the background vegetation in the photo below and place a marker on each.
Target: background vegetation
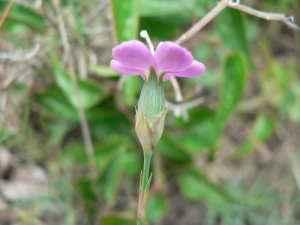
(232, 159)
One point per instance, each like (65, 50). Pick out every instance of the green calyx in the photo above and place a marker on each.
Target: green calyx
(152, 98)
(151, 113)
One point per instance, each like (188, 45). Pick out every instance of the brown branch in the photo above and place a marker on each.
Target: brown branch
(201, 23)
(288, 21)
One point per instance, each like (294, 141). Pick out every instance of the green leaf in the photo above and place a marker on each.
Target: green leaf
(4, 134)
(126, 23)
(103, 71)
(172, 150)
(133, 163)
(165, 31)
(157, 207)
(20, 15)
(233, 84)
(196, 186)
(201, 131)
(168, 9)
(104, 151)
(90, 92)
(75, 154)
(232, 32)
(263, 128)
(57, 130)
(86, 188)
(125, 18)
(109, 156)
(116, 220)
(107, 121)
(55, 103)
(110, 177)
(131, 88)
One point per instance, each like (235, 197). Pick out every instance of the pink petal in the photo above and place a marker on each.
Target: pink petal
(196, 69)
(133, 54)
(170, 57)
(120, 68)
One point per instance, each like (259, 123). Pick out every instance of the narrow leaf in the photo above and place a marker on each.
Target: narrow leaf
(157, 207)
(263, 128)
(232, 32)
(233, 84)
(125, 18)
(195, 185)
(90, 92)
(116, 220)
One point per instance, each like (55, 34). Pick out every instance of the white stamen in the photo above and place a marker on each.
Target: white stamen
(291, 18)
(234, 3)
(144, 34)
(176, 88)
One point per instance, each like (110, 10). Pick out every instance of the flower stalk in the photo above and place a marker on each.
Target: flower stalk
(144, 189)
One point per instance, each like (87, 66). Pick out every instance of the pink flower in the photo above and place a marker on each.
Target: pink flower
(135, 58)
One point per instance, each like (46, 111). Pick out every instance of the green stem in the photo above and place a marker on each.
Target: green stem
(144, 189)
(147, 164)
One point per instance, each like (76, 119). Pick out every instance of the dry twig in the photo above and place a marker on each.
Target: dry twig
(288, 21)
(36, 4)
(11, 78)
(235, 5)
(20, 55)
(83, 121)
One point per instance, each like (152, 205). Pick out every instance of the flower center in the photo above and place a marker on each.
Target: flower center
(144, 34)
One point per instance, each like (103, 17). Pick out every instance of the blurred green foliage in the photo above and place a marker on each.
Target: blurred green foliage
(239, 91)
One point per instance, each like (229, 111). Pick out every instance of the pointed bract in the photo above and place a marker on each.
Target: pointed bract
(149, 131)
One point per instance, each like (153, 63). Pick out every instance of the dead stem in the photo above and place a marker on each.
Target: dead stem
(200, 24)
(288, 21)
(83, 121)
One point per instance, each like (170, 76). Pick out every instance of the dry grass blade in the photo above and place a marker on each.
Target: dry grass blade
(8, 8)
